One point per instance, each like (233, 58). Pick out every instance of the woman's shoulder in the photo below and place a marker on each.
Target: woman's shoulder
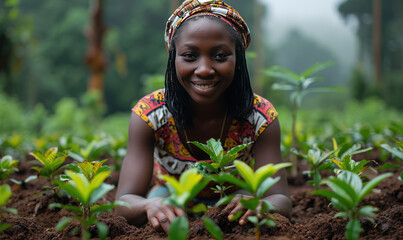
(264, 106)
(150, 102)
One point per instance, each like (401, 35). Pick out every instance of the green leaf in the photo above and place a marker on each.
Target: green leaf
(367, 211)
(224, 200)
(394, 151)
(343, 215)
(5, 194)
(11, 210)
(4, 226)
(206, 149)
(63, 223)
(388, 166)
(199, 208)
(371, 184)
(343, 203)
(353, 229)
(100, 192)
(213, 228)
(250, 203)
(102, 230)
(253, 219)
(266, 185)
(346, 193)
(283, 87)
(236, 215)
(268, 222)
(316, 68)
(179, 228)
(247, 174)
(284, 74)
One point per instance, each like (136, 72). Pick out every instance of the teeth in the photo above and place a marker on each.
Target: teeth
(204, 86)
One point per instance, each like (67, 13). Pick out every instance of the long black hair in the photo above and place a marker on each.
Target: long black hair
(239, 95)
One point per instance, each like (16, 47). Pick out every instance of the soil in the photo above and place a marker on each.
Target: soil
(312, 217)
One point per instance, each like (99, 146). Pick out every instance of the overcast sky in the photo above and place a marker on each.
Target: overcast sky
(316, 19)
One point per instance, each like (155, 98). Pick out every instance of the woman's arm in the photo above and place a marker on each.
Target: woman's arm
(267, 150)
(135, 177)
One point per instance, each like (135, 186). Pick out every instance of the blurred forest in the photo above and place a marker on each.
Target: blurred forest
(44, 48)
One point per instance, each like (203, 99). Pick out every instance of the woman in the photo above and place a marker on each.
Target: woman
(207, 95)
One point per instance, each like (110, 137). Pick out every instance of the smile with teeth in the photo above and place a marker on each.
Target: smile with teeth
(204, 86)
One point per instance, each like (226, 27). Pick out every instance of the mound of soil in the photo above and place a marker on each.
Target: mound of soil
(312, 217)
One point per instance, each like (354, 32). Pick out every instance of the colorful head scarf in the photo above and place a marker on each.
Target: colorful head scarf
(191, 8)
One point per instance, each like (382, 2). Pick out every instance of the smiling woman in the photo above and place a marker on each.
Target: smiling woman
(207, 95)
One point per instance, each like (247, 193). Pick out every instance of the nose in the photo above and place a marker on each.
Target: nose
(204, 68)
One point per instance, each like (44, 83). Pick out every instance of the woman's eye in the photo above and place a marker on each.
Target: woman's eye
(220, 57)
(189, 56)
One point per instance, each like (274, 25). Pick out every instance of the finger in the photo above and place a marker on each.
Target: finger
(179, 212)
(231, 205)
(155, 223)
(237, 208)
(170, 213)
(163, 221)
(244, 219)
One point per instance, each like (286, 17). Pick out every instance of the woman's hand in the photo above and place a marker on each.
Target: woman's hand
(161, 215)
(234, 206)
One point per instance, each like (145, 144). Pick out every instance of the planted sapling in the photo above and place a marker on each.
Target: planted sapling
(318, 161)
(348, 191)
(7, 166)
(89, 169)
(189, 185)
(87, 192)
(220, 162)
(5, 194)
(49, 165)
(256, 183)
(91, 152)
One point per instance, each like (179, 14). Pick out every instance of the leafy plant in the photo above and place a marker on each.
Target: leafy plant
(189, 185)
(91, 152)
(7, 166)
(348, 164)
(5, 194)
(87, 192)
(89, 169)
(257, 183)
(396, 151)
(49, 164)
(299, 86)
(318, 161)
(347, 193)
(343, 150)
(220, 161)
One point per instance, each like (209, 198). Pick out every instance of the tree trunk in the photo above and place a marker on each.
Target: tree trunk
(94, 56)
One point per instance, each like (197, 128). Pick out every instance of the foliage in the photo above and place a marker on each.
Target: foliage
(7, 166)
(318, 161)
(348, 164)
(347, 193)
(51, 162)
(221, 161)
(89, 169)
(90, 152)
(397, 151)
(5, 194)
(257, 183)
(87, 192)
(181, 192)
(299, 86)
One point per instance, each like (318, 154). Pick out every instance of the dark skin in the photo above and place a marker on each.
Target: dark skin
(205, 66)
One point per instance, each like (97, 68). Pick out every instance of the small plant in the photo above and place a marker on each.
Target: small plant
(348, 164)
(347, 193)
(220, 160)
(5, 194)
(318, 161)
(257, 183)
(89, 169)
(396, 151)
(49, 164)
(299, 86)
(7, 166)
(91, 152)
(189, 185)
(87, 192)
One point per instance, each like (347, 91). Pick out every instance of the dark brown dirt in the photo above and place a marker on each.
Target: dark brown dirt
(312, 217)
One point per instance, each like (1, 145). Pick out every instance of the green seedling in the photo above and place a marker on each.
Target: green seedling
(5, 194)
(348, 191)
(318, 161)
(89, 169)
(298, 86)
(348, 164)
(91, 152)
(87, 192)
(220, 162)
(189, 185)
(343, 150)
(395, 151)
(257, 183)
(7, 166)
(50, 165)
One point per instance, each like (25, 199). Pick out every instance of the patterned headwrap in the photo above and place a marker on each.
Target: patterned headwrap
(191, 8)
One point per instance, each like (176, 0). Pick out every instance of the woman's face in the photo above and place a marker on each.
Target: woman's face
(205, 60)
